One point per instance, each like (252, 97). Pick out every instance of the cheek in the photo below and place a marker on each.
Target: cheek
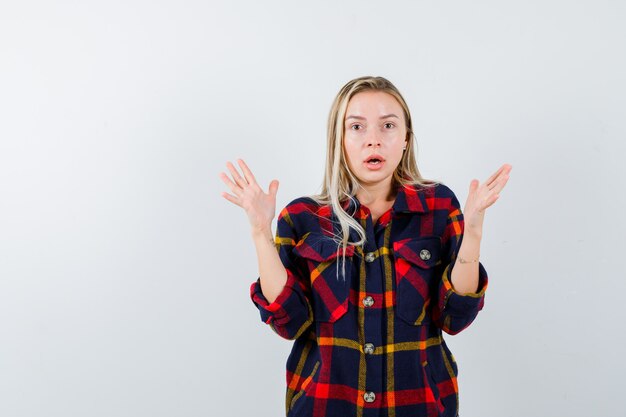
(349, 149)
(397, 156)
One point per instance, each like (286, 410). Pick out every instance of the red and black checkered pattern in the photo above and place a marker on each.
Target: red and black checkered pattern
(369, 342)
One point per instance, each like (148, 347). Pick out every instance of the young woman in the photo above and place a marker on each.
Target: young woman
(366, 276)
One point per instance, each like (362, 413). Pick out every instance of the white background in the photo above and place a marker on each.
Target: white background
(124, 275)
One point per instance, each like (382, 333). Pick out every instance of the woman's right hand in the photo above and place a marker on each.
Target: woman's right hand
(259, 206)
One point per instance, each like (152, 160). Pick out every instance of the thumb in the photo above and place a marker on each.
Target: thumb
(273, 188)
(473, 185)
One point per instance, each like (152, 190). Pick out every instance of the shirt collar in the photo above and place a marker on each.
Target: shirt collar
(409, 199)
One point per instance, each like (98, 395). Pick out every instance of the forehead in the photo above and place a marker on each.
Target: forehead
(374, 104)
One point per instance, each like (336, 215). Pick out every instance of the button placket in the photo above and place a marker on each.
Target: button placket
(369, 348)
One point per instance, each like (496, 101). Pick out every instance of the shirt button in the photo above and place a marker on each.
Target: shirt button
(368, 301)
(369, 396)
(425, 254)
(370, 256)
(369, 348)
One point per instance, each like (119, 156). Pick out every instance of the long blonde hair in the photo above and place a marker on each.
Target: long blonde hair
(339, 182)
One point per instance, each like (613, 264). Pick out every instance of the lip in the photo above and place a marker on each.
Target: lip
(372, 156)
(374, 167)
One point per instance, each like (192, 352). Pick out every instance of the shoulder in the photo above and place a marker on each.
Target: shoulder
(301, 206)
(433, 190)
(445, 198)
(441, 190)
(437, 196)
(304, 213)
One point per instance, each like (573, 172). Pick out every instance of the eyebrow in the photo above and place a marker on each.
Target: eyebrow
(363, 118)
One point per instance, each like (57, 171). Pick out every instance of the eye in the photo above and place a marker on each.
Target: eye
(389, 124)
(354, 126)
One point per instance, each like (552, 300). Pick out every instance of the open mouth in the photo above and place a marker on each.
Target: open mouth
(374, 159)
(374, 162)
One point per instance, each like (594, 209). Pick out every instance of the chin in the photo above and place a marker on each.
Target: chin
(374, 176)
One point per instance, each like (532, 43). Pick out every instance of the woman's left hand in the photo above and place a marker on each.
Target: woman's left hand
(482, 196)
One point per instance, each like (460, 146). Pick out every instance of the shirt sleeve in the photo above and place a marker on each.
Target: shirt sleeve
(290, 314)
(455, 311)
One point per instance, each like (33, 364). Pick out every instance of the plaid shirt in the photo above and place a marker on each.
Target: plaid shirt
(372, 345)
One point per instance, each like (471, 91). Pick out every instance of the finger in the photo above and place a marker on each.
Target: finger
(494, 176)
(474, 194)
(233, 187)
(473, 186)
(238, 179)
(246, 172)
(231, 198)
(499, 184)
(273, 188)
(490, 195)
(491, 200)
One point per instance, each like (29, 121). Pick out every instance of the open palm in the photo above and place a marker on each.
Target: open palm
(482, 196)
(259, 206)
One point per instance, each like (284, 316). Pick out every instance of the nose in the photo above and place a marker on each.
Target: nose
(373, 140)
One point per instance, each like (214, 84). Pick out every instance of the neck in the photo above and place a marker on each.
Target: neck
(378, 193)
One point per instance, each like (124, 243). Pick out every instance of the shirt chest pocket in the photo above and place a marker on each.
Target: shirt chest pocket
(415, 261)
(329, 289)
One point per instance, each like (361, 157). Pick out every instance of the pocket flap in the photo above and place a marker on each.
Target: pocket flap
(320, 248)
(423, 252)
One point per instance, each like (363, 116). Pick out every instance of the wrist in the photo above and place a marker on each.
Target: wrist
(262, 233)
(473, 234)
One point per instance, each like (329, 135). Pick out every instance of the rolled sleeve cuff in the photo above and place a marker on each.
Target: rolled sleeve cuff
(278, 310)
(458, 303)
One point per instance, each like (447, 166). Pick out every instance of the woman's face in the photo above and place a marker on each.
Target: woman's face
(374, 126)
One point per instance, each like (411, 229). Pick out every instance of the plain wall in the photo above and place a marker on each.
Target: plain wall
(124, 275)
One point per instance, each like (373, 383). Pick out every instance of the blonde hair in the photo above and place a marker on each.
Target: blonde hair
(339, 183)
